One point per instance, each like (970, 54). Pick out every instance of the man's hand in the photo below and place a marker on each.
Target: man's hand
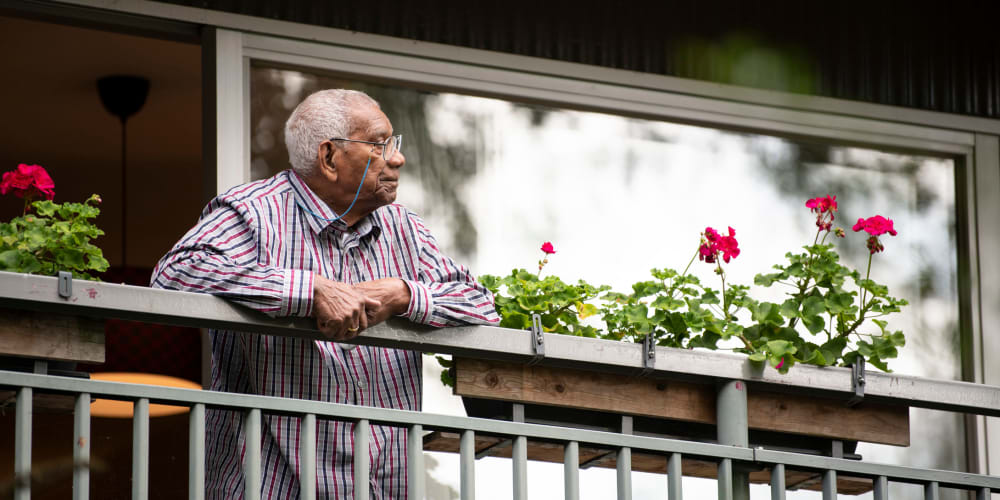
(391, 293)
(340, 309)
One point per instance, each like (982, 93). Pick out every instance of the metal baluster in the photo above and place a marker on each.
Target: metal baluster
(674, 477)
(880, 490)
(625, 463)
(196, 452)
(829, 484)
(251, 460)
(415, 472)
(467, 450)
(983, 494)
(732, 429)
(519, 457)
(140, 449)
(778, 482)
(361, 474)
(81, 447)
(307, 457)
(571, 470)
(932, 491)
(725, 479)
(22, 445)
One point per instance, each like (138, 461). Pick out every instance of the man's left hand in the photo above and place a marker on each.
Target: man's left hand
(393, 295)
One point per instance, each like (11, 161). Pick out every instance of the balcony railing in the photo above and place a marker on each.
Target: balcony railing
(726, 370)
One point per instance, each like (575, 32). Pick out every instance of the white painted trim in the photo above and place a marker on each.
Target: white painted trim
(987, 233)
(232, 152)
(546, 67)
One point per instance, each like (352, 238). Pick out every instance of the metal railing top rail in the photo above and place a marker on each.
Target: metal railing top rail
(430, 421)
(108, 300)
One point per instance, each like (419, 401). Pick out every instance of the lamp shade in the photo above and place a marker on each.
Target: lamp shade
(123, 95)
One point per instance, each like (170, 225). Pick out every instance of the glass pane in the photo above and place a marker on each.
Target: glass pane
(618, 196)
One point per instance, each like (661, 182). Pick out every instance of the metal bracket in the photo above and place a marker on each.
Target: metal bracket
(65, 284)
(648, 355)
(537, 340)
(857, 382)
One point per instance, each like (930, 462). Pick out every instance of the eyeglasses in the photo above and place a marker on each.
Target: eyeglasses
(389, 146)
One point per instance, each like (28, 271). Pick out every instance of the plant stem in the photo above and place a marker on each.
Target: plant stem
(863, 290)
(683, 274)
(746, 342)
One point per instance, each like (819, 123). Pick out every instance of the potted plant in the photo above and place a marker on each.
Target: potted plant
(46, 238)
(832, 316)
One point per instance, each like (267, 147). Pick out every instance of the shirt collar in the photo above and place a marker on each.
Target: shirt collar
(307, 201)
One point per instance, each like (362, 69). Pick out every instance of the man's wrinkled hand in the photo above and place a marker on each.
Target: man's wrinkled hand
(391, 293)
(341, 310)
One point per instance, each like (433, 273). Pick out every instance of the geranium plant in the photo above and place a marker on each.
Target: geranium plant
(48, 237)
(832, 314)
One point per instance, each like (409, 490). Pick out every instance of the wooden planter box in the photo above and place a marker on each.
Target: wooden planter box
(48, 336)
(666, 408)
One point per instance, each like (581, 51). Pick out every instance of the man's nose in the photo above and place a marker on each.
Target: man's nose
(397, 159)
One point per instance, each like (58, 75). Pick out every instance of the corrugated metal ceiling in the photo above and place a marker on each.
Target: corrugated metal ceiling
(941, 57)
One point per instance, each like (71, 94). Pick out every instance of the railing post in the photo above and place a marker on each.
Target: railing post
(251, 459)
(307, 457)
(519, 458)
(467, 457)
(880, 488)
(571, 470)
(778, 482)
(196, 452)
(81, 447)
(624, 461)
(731, 420)
(415, 489)
(362, 474)
(140, 449)
(22, 445)
(674, 477)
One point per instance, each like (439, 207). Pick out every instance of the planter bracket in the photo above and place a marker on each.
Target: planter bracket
(65, 284)
(648, 355)
(857, 382)
(537, 340)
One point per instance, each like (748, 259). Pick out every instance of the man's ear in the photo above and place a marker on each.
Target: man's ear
(325, 157)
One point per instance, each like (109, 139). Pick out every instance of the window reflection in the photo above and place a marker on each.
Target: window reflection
(620, 195)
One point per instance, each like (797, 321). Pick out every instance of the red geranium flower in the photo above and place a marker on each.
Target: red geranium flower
(548, 248)
(28, 181)
(824, 204)
(712, 244)
(875, 226)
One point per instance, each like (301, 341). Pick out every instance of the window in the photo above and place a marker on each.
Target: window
(620, 195)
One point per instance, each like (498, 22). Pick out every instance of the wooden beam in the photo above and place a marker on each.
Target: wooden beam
(681, 401)
(51, 336)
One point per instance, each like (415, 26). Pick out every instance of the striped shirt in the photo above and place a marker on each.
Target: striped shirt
(258, 247)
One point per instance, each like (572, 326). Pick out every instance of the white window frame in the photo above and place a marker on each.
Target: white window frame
(232, 41)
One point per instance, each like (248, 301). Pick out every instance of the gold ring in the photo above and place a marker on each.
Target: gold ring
(352, 329)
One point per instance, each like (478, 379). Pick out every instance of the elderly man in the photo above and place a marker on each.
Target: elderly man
(323, 240)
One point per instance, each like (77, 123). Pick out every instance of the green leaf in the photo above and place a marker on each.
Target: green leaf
(516, 320)
(758, 357)
(813, 306)
(790, 308)
(814, 324)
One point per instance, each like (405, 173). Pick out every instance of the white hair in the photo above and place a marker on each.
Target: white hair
(321, 116)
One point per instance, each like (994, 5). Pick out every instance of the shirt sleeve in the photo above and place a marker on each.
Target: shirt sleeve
(220, 256)
(445, 293)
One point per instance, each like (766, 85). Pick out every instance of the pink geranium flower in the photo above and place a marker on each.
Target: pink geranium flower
(875, 226)
(712, 244)
(823, 204)
(548, 248)
(28, 181)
